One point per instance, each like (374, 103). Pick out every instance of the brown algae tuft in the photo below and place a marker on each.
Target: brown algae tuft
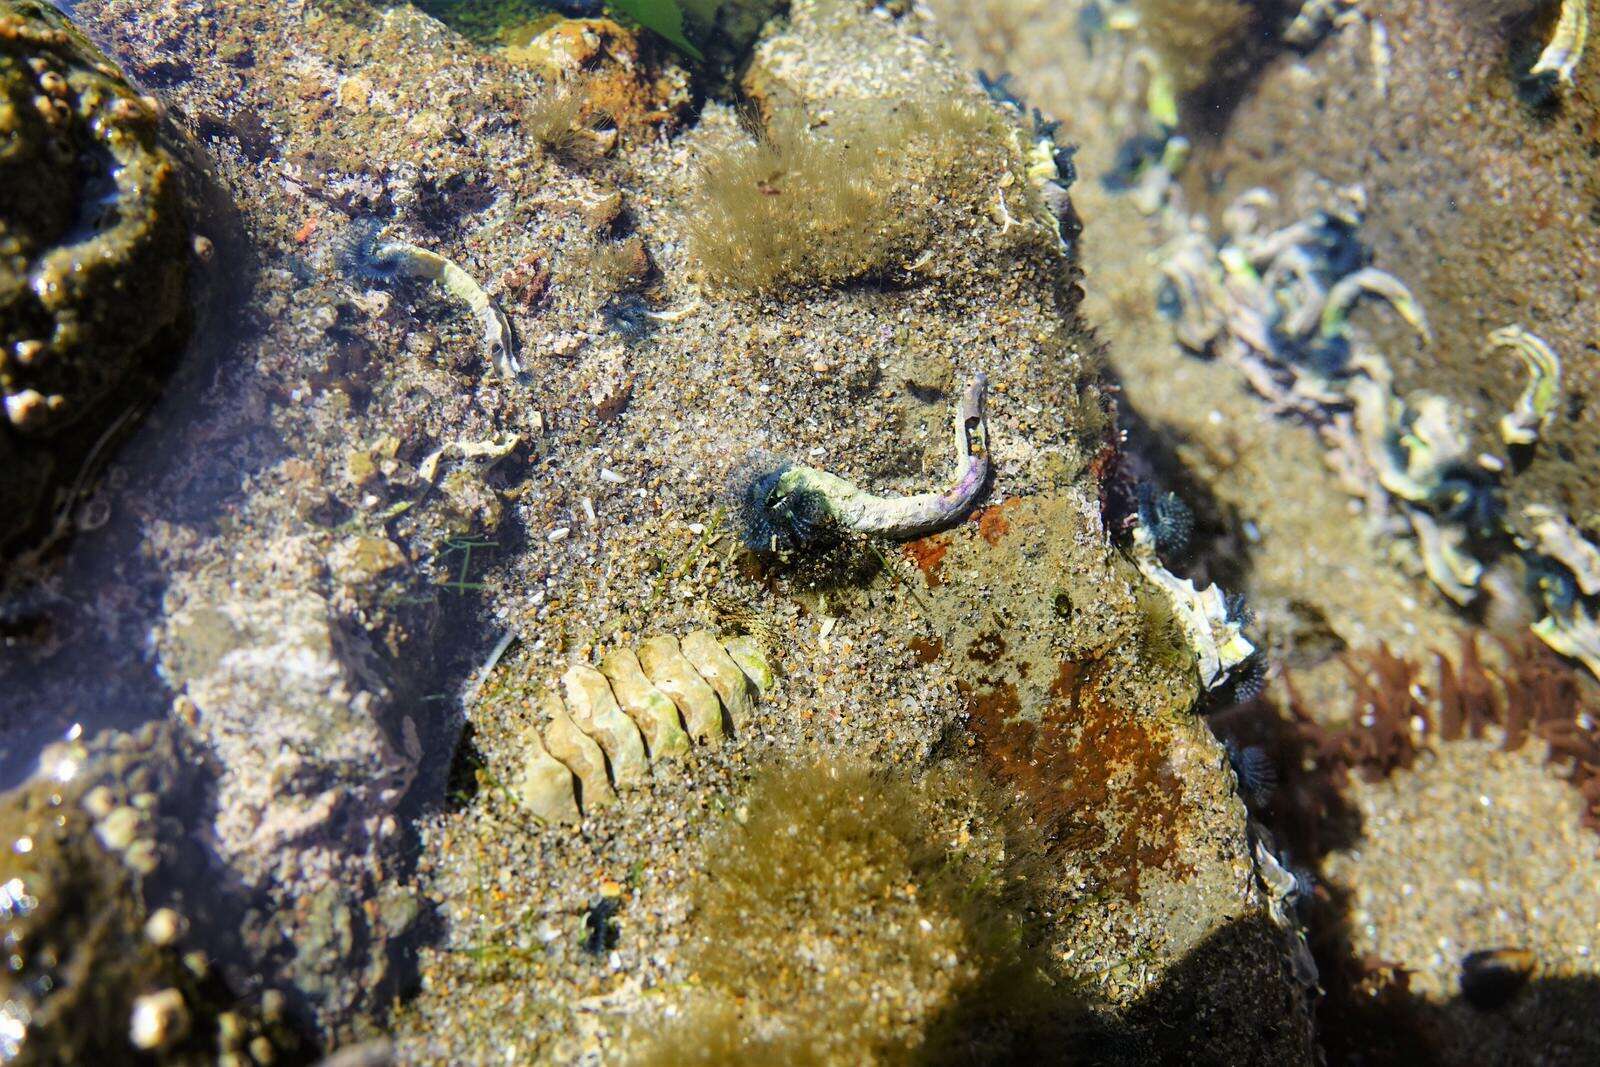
(846, 916)
(822, 201)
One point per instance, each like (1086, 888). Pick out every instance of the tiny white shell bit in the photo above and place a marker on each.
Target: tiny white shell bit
(663, 661)
(702, 649)
(597, 714)
(649, 707)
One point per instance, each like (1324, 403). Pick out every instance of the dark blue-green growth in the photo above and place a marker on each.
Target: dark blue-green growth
(774, 521)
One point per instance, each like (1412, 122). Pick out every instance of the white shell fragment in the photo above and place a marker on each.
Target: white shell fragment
(650, 708)
(702, 649)
(663, 661)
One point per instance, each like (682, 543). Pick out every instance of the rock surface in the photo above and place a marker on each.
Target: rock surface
(95, 258)
(330, 534)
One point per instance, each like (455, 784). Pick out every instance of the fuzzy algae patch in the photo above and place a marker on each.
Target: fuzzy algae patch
(854, 917)
(823, 200)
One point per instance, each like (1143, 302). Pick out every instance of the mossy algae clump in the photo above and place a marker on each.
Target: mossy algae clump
(94, 259)
(855, 196)
(1195, 37)
(847, 916)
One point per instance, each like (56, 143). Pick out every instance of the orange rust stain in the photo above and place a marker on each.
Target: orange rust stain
(1096, 776)
(928, 554)
(926, 649)
(992, 524)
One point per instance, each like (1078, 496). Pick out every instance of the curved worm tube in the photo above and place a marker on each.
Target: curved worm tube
(360, 254)
(907, 516)
(497, 338)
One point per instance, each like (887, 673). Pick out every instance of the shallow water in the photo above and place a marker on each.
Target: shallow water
(1241, 279)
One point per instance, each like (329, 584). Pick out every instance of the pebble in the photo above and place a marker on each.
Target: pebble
(158, 1020)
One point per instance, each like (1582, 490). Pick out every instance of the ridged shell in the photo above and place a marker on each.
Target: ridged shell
(619, 718)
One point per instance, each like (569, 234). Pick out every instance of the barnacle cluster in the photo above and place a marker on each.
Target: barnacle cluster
(1050, 167)
(639, 706)
(95, 261)
(785, 507)
(360, 254)
(1276, 304)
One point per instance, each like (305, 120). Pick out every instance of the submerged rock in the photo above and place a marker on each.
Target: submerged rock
(95, 258)
(96, 973)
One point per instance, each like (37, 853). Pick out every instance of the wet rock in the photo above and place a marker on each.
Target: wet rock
(98, 971)
(361, 559)
(95, 257)
(620, 75)
(1080, 688)
(291, 701)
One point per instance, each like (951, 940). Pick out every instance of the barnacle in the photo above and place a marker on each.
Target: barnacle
(641, 706)
(361, 255)
(1536, 406)
(1560, 57)
(787, 507)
